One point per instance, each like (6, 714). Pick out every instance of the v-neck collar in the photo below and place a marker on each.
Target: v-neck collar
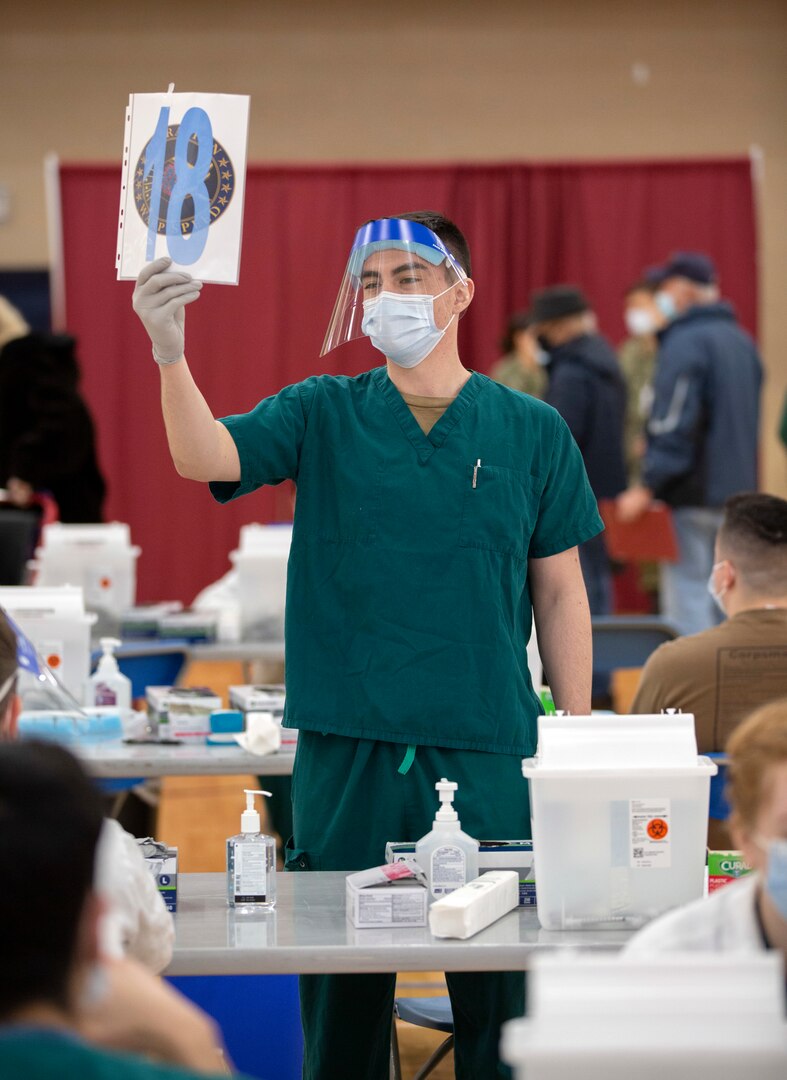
(425, 445)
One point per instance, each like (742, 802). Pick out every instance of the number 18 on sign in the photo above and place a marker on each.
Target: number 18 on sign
(184, 171)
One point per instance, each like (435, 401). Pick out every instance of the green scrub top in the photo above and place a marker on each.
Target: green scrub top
(408, 605)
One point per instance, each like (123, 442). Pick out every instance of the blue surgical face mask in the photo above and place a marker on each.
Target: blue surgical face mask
(402, 325)
(666, 305)
(776, 872)
(717, 596)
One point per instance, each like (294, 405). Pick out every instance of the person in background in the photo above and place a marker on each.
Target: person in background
(720, 674)
(587, 389)
(438, 515)
(637, 358)
(136, 922)
(47, 437)
(750, 914)
(66, 1011)
(702, 436)
(522, 366)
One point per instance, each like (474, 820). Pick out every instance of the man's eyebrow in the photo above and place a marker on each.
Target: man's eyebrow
(413, 265)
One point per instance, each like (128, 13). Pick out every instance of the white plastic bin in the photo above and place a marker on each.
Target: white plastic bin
(98, 558)
(261, 562)
(56, 622)
(619, 809)
(680, 1016)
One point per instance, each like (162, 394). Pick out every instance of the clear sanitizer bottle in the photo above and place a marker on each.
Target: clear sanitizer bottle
(447, 856)
(251, 862)
(109, 686)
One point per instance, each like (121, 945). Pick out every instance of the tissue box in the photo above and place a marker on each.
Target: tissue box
(162, 861)
(724, 867)
(182, 713)
(380, 897)
(492, 855)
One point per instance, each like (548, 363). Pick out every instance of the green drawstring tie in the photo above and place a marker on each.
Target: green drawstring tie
(407, 760)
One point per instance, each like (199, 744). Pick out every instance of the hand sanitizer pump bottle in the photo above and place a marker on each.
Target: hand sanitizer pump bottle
(109, 686)
(447, 856)
(251, 862)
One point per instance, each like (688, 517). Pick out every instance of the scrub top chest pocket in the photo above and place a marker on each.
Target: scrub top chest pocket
(498, 509)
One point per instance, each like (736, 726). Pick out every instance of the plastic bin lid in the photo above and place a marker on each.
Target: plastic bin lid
(60, 600)
(109, 534)
(612, 741)
(257, 537)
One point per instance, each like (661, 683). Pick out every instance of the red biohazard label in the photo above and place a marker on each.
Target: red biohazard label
(53, 660)
(657, 828)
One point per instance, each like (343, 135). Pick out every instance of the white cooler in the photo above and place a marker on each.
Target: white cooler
(619, 809)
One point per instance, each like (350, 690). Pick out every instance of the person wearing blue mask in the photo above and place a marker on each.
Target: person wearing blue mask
(750, 914)
(703, 430)
(437, 514)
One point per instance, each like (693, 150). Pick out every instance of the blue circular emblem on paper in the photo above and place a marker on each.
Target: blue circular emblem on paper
(219, 182)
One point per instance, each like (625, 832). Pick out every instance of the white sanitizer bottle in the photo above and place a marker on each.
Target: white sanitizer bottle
(109, 686)
(251, 862)
(447, 856)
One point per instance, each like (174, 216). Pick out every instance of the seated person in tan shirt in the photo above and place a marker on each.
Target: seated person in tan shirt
(723, 673)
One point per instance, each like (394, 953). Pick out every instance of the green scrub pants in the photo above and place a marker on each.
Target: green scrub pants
(348, 800)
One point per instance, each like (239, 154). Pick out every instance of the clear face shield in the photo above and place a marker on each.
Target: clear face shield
(397, 290)
(38, 687)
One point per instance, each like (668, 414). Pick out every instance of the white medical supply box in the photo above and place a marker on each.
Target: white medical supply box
(99, 558)
(261, 562)
(57, 624)
(619, 808)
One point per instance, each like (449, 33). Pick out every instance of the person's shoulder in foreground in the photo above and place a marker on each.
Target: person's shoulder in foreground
(32, 1053)
(723, 922)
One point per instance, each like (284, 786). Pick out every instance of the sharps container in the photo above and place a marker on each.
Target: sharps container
(261, 563)
(619, 808)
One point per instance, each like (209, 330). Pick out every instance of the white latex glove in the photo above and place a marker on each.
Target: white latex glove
(159, 300)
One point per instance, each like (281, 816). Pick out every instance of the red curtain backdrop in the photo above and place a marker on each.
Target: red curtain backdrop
(529, 225)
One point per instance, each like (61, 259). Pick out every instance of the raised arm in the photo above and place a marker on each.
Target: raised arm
(201, 447)
(560, 608)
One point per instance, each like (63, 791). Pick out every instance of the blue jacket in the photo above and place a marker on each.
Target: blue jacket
(587, 389)
(702, 434)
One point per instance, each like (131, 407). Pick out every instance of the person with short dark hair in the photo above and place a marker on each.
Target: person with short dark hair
(58, 998)
(637, 358)
(586, 387)
(437, 514)
(722, 673)
(702, 435)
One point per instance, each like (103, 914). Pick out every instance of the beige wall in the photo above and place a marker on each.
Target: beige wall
(334, 80)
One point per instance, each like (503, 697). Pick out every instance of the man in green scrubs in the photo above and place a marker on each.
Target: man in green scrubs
(437, 513)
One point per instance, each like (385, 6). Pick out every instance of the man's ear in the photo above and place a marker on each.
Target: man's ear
(463, 294)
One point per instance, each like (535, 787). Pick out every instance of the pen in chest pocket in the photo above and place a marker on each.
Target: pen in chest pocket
(476, 467)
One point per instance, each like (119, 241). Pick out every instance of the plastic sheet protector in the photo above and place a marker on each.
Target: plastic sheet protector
(182, 192)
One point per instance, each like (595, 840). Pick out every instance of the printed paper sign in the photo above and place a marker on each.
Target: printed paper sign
(184, 172)
(651, 837)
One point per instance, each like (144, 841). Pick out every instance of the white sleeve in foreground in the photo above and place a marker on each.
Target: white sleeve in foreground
(137, 922)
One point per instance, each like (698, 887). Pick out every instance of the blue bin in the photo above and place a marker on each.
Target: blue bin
(259, 1016)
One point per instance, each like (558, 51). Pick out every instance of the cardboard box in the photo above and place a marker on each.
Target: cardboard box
(387, 896)
(724, 867)
(492, 855)
(162, 861)
(182, 713)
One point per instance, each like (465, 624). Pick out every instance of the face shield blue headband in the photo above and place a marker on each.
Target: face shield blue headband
(396, 270)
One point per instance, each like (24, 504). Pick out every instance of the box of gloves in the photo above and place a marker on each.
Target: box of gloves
(162, 861)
